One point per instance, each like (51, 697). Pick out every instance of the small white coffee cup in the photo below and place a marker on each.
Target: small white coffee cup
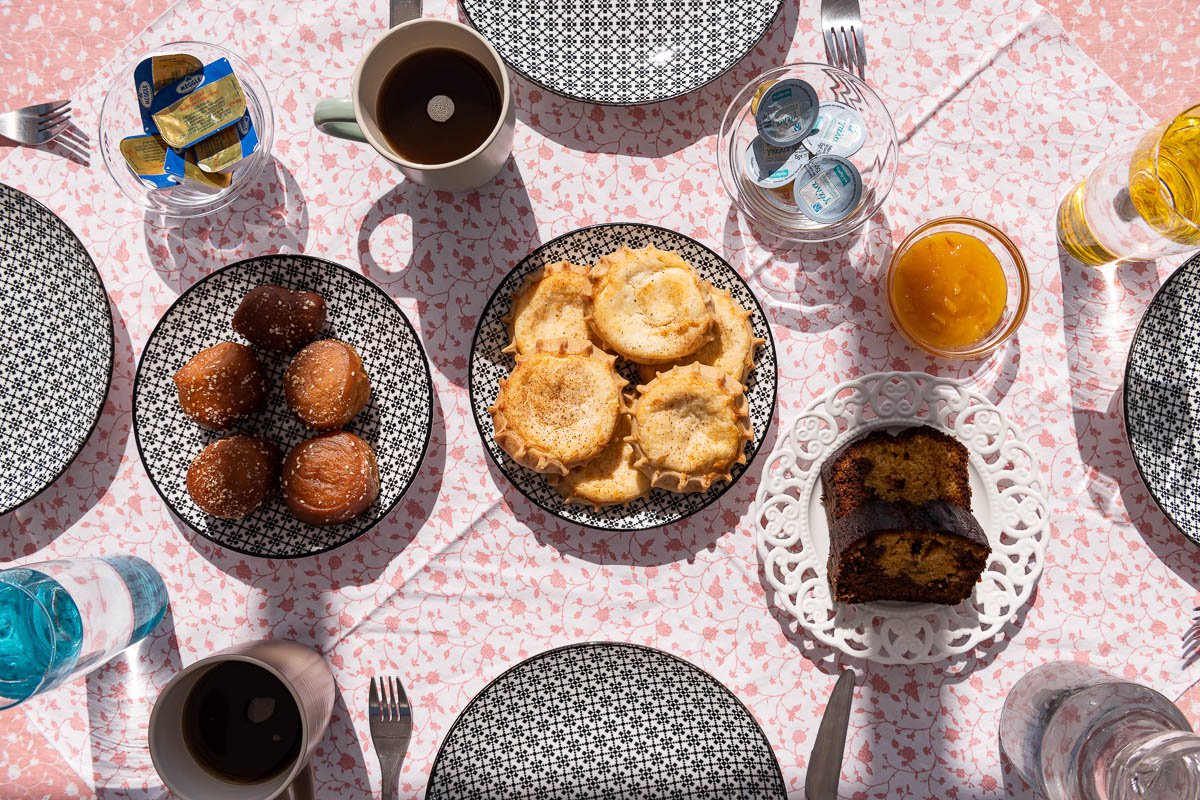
(356, 118)
(308, 679)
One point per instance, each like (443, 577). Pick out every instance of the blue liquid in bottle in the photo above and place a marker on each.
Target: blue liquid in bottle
(42, 629)
(34, 648)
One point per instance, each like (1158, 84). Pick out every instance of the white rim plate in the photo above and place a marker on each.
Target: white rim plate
(1007, 498)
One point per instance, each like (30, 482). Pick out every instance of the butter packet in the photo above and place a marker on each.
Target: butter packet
(224, 150)
(199, 105)
(156, 72)
(146, 156)
(180, 164)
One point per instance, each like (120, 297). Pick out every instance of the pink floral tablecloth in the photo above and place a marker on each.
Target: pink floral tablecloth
(999, 113)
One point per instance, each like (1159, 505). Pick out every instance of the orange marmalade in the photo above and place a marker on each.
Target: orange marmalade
(948, 289)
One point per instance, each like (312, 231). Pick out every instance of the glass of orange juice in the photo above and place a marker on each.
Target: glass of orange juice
(957, 287)
(1142, 202)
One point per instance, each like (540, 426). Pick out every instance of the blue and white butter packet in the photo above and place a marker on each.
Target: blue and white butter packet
(146, 157)
(180, 164)
(152, 74)
(199, 105)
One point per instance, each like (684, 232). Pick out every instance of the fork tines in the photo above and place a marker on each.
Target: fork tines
(387, 700)
(846, 49)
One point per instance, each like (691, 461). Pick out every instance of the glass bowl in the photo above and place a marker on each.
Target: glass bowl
(120, 117)
(1015, 275)
(877, 160)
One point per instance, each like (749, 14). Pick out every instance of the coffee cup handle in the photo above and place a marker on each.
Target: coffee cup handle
(302, 787)
(336, 118)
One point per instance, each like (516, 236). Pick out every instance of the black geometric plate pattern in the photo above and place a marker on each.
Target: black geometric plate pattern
(1162, 397)
(621, 52)
(605, 721)
(396, 422)
(56, 347)
(489, 365)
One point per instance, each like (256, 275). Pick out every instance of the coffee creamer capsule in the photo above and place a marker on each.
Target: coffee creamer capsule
(841, 131)
(199, 105)
(152, 74)
(828, 189)
(146, 157)
(787, 112)
(771, 167)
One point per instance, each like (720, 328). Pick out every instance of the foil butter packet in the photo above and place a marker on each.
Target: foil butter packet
(146, 156)
(222, 151)
(152, 74)
(181, 162)
(199, 105)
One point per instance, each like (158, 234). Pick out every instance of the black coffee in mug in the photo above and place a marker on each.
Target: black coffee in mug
(437, 106)
(241, 723)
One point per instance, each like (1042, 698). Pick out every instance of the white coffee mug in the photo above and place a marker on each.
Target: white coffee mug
(309, 680)
(356, 118)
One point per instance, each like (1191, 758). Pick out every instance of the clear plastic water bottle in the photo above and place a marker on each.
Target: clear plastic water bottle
(1077, 733)
(60, 619)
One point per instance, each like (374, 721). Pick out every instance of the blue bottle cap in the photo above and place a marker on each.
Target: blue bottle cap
(769, 166)
(828, 189)
(787, 112)
(841, 131)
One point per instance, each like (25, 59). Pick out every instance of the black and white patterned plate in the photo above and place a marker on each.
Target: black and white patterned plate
(623, 53)
(489, 365)
(56, 347)
(605, 720)
(396, 422)
(1162, 397)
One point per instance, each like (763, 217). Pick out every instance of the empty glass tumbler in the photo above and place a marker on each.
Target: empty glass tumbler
(61, 619)
(1077, 733)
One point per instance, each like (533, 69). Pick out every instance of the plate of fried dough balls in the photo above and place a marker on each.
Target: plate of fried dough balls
(282, 406)
(623, 376)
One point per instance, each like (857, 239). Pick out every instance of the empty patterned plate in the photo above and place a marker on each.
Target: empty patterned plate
(396, 422)
(605, 720)
(56, 347)
(1162, 397)
(626, 53)
(489, 365)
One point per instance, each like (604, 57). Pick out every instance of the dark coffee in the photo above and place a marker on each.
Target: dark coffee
(437, 106)
(241, 723)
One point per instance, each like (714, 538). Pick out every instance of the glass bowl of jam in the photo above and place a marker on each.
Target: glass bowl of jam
(121, 120)
(957, 287)
(807, 152)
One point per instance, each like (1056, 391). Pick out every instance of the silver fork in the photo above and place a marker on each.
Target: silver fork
(391, 729)
(841, 22)
(36, 124)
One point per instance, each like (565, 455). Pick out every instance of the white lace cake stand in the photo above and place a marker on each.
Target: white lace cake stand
(1007, 498)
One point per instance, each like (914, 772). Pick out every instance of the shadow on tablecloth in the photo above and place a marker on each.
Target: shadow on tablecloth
(268, 217)
(37, 523)
(1102, 309)
(459, 247)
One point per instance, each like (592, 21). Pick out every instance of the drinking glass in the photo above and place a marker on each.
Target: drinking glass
(1078, 733)
(1140, 203)
(61, 619)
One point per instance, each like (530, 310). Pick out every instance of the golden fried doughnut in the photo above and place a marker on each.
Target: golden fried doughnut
(276, 318)
(326, 385)
(221, 384)
(233, 476)
(330, 478)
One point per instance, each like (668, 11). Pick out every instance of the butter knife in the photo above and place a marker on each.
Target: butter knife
(403, 11)
(825, 760)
